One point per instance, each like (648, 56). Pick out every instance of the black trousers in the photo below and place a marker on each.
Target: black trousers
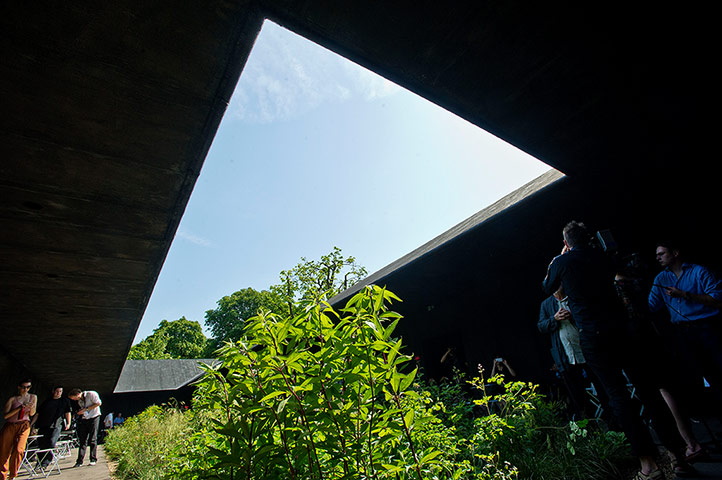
(88, 436)
(576, 384)
(700, 344)
(49, 438)
(608, 354)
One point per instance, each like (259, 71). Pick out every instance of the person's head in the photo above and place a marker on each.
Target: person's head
(57, 392)
(75, 394)
(575, 234)
(667, 253)
(24, 386)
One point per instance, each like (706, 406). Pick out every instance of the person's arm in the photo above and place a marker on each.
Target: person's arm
(656, 297)
(95, 399)
(511, 370)
(552, 281)
(711, 295)
(547, 323)
(68, 411)
(701, 298)
(33, 419)
(446, 354)
(33, 404)
(9, 410)
(89, 407)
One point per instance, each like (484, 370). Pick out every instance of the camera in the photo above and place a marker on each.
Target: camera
(606, 241)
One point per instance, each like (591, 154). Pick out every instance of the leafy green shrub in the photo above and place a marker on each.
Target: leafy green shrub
(145, 446)
(318, 395)
(454, 405)
(529, 432)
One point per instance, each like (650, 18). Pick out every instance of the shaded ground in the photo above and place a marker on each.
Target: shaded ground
(709, 433)
(86, 472)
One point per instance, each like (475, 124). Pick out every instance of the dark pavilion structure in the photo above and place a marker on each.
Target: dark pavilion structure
(108, 110)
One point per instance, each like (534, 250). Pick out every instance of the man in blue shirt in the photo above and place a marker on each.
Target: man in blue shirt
(693, 297)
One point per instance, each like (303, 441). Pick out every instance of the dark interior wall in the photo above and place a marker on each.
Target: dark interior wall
(12, 372)
(132, 403)
(481, 291)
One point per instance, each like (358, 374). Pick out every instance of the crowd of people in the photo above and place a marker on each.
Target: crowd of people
(78, 412)
(599, 318)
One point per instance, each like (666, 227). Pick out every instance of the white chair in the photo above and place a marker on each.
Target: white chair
(26, 463)
(63, 448)
(594, 399)
(41, 471)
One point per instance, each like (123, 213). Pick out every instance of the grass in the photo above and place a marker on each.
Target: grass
(144, 447)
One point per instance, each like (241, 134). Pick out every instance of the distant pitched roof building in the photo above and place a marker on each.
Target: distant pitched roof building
(159, 375)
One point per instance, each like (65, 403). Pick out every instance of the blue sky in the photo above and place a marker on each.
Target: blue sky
(315, 152)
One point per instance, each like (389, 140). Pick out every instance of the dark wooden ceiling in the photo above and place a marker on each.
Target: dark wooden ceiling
(108, 111)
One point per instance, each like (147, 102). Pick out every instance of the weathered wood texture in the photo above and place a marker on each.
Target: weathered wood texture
(108, 112)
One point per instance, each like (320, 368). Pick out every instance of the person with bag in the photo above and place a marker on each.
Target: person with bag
(88, 422)
(14, 434)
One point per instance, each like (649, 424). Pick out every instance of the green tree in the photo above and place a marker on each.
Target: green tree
(227, 320)
(323, 278)
(180, 338)
(151, 347)
(310, 279)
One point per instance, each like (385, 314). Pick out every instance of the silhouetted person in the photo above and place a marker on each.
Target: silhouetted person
(501, 366)
(119, 420)
(587, 277)
(556, 320)
(652, 369)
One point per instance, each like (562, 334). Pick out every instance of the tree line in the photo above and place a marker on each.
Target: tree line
(183, 338)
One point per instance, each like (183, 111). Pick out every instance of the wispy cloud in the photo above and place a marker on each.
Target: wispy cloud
(195, 239)
(287, 75)
(368, 84)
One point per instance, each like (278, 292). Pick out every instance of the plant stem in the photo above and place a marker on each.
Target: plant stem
(284, 439)
(305, 420)
(373, 402)
(338, 429)
(408, 436)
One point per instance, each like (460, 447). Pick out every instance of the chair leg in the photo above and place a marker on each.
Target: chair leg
(26, 463)
(53, 465)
